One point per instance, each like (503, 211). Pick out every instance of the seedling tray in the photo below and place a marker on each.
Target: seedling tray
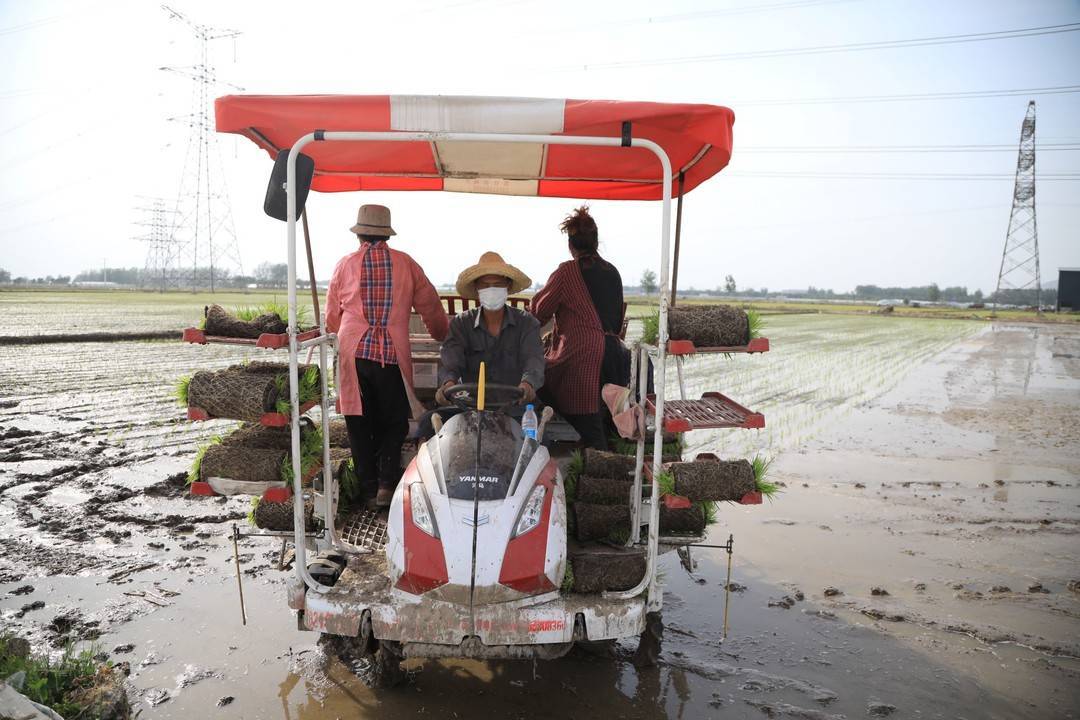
(713, 410)
(269, 341)
(270, 419)
(687, 347)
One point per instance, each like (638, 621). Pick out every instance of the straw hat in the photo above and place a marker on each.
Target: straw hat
(373, 220)
(491, 263)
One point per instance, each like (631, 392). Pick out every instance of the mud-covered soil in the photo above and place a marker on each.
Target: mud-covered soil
(98, 542)
(946, 514)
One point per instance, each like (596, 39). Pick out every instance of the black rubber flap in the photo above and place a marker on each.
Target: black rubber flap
(275, 204)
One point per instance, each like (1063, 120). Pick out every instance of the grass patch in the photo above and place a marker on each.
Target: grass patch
(181, 390)
(309, 389)
(48, 682)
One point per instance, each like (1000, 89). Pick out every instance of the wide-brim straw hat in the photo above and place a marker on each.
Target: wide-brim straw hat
(491, 263)
(373, 220)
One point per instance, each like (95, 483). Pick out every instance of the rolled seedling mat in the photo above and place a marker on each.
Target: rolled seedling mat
(240, 392)
(713, 479)
(221, 323)
(594, 521)
(709, 325)
(233, 393)
(254, 435)
(241, 463)
(601, 464)
(339, 433)
(602, 490)
(599, 568)
(279, 515)
(682, 520)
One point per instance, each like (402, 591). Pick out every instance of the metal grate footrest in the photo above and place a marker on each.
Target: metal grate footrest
(364, 529)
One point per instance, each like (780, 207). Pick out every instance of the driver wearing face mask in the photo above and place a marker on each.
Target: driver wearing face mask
(506, 339)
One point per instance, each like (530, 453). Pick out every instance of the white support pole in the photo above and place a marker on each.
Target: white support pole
(299, 539)
(640, 362)
(649, 580)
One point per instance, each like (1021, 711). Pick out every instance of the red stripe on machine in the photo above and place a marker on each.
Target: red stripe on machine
(525, 557)
(425, 562)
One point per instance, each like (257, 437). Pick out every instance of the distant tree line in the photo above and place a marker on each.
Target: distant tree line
(270, 275)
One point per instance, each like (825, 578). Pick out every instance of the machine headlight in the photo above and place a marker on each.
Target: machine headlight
(530, 514)
(421, 509)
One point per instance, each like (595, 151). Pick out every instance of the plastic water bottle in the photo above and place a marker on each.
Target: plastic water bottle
(529, 422)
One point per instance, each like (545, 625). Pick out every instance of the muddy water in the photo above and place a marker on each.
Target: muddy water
(94, 526)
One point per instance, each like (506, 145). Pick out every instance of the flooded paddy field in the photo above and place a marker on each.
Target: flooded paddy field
(938, 461)
(51, 312)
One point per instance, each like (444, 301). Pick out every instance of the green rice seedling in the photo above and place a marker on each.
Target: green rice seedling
(629, 447)
(181, 391)
(49, 681)
(350, 486)
(251, 511)
(573, 472)
(712, 515)
(619, 535)
(308, 389)
(568, 578)
(756, 323)
(273, 307)
(665, 481)
(196, 464)
(760, 466)
(650, 328)
(310, 455)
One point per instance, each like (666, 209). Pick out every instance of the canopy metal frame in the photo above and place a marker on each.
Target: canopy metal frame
(649, 582)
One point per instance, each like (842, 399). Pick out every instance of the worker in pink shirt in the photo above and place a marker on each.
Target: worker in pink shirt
(371, 297)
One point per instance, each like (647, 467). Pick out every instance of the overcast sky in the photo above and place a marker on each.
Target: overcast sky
(84, 135)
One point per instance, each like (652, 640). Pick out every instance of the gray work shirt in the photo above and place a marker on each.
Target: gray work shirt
(515, 356)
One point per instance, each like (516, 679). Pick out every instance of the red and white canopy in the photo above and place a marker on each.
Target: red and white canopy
(697, 139)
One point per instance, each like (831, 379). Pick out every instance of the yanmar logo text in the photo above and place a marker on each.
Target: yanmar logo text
(546, 625)
(484, 479)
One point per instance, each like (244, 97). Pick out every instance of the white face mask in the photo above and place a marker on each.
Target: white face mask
(492, 298)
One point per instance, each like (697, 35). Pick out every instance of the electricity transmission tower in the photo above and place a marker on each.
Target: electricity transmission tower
(1020, 259)
(162, 250)
(202, 220)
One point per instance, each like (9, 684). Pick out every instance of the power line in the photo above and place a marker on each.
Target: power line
(809, 174)
(955, 95)
(848, 47)
(829, 149)
(28, 25)
(751, 9)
